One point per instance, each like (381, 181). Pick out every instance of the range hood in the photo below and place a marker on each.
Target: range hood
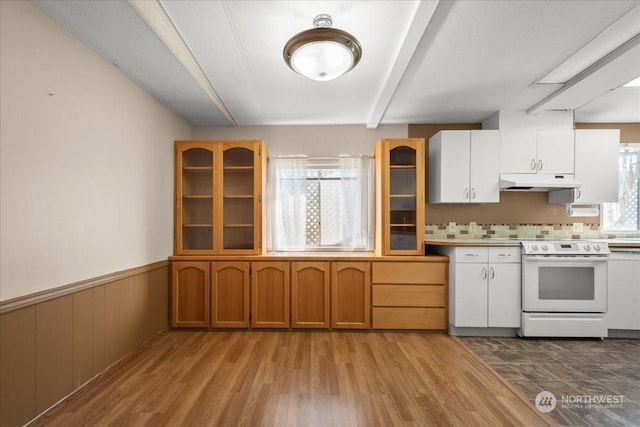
(536, 182)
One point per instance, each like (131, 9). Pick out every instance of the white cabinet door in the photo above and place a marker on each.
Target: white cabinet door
(504, 297)
(518, 151)
(485, 166)
(596, 153)
(555, 153)
(624, 293)
(449, 167)
(470, 297)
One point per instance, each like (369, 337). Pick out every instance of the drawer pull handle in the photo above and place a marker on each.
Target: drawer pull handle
(471, 254)
(504, 254)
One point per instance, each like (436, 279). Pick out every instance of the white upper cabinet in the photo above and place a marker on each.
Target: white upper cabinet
(464, 166)
(597, 165)
(531, 151)
(596, 168)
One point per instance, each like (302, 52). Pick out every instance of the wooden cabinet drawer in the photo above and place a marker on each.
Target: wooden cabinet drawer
(409, 272)
(409, 318)
(408, 295)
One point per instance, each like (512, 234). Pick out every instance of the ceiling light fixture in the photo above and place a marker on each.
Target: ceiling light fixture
(322, 53)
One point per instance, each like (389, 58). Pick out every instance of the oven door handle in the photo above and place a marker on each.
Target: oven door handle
(547, 258)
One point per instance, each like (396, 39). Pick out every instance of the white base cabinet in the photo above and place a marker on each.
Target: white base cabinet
(624, 291)
(484, 289)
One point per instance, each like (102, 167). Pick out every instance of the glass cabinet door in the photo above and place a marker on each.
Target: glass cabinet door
(402, 198)
(239, 199)
(194, 182)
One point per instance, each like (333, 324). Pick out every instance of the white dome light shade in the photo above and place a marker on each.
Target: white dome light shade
(322, 60)
(322, 53)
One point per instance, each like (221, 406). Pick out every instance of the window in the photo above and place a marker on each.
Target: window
(321, 204)
(625, 215)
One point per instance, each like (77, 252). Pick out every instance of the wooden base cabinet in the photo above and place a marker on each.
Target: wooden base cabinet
(409, 295)
(350, 295)
(310, 295)
(270, 294)
(230, 294)
(190, 294)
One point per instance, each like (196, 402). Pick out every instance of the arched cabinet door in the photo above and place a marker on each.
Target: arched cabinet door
(350, 295)
(240, 198)
(190, 294)
(194, 198)
(230, 294)
(401, 182)
(270, 294)
(310, 295)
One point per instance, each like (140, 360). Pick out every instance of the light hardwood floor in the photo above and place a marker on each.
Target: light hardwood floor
(246, 378)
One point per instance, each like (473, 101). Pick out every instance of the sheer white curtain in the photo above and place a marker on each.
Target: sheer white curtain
(343, 205)
(288, 203)
(356, 187)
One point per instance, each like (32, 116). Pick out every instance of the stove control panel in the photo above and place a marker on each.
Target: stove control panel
(565, 247)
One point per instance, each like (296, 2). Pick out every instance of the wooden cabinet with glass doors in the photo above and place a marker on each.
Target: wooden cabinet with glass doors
(400, 196)
(218, 197)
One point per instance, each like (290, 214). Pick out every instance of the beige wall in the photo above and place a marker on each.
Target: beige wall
(86, 160)
(314, 141)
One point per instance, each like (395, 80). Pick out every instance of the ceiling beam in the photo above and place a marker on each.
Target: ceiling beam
(418, 26)
(152, 12)
(622, 65)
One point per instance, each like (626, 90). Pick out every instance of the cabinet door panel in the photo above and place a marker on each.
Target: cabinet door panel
(310, 295)
(194, 198)
(270, 295)
(504, 295)
(350, 295)
(400, 187)
(624, 294)
(230, 295)
(471, 295)
(239, 198)
(556, 152)
(485, 166)
(190, 290)
(597, 165)
(518, 151)
(456, 162)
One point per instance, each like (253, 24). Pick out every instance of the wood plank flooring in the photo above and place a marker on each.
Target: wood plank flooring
(283, 378)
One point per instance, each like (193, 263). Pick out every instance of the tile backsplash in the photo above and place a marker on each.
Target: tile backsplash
(514, 231)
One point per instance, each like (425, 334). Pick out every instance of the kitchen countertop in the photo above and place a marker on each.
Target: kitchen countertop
(613, 243)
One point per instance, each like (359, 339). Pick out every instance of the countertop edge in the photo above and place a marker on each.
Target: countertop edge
(613, 243)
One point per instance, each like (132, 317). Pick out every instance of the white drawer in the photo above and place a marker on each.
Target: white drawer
(504, 254)
(472, 254)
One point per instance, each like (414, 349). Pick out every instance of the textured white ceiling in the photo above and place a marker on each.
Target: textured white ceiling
(423, 62)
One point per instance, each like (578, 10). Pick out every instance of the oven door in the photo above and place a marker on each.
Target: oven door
(564, 284)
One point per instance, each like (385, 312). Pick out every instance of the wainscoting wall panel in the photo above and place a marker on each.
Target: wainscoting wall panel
(50, 346)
